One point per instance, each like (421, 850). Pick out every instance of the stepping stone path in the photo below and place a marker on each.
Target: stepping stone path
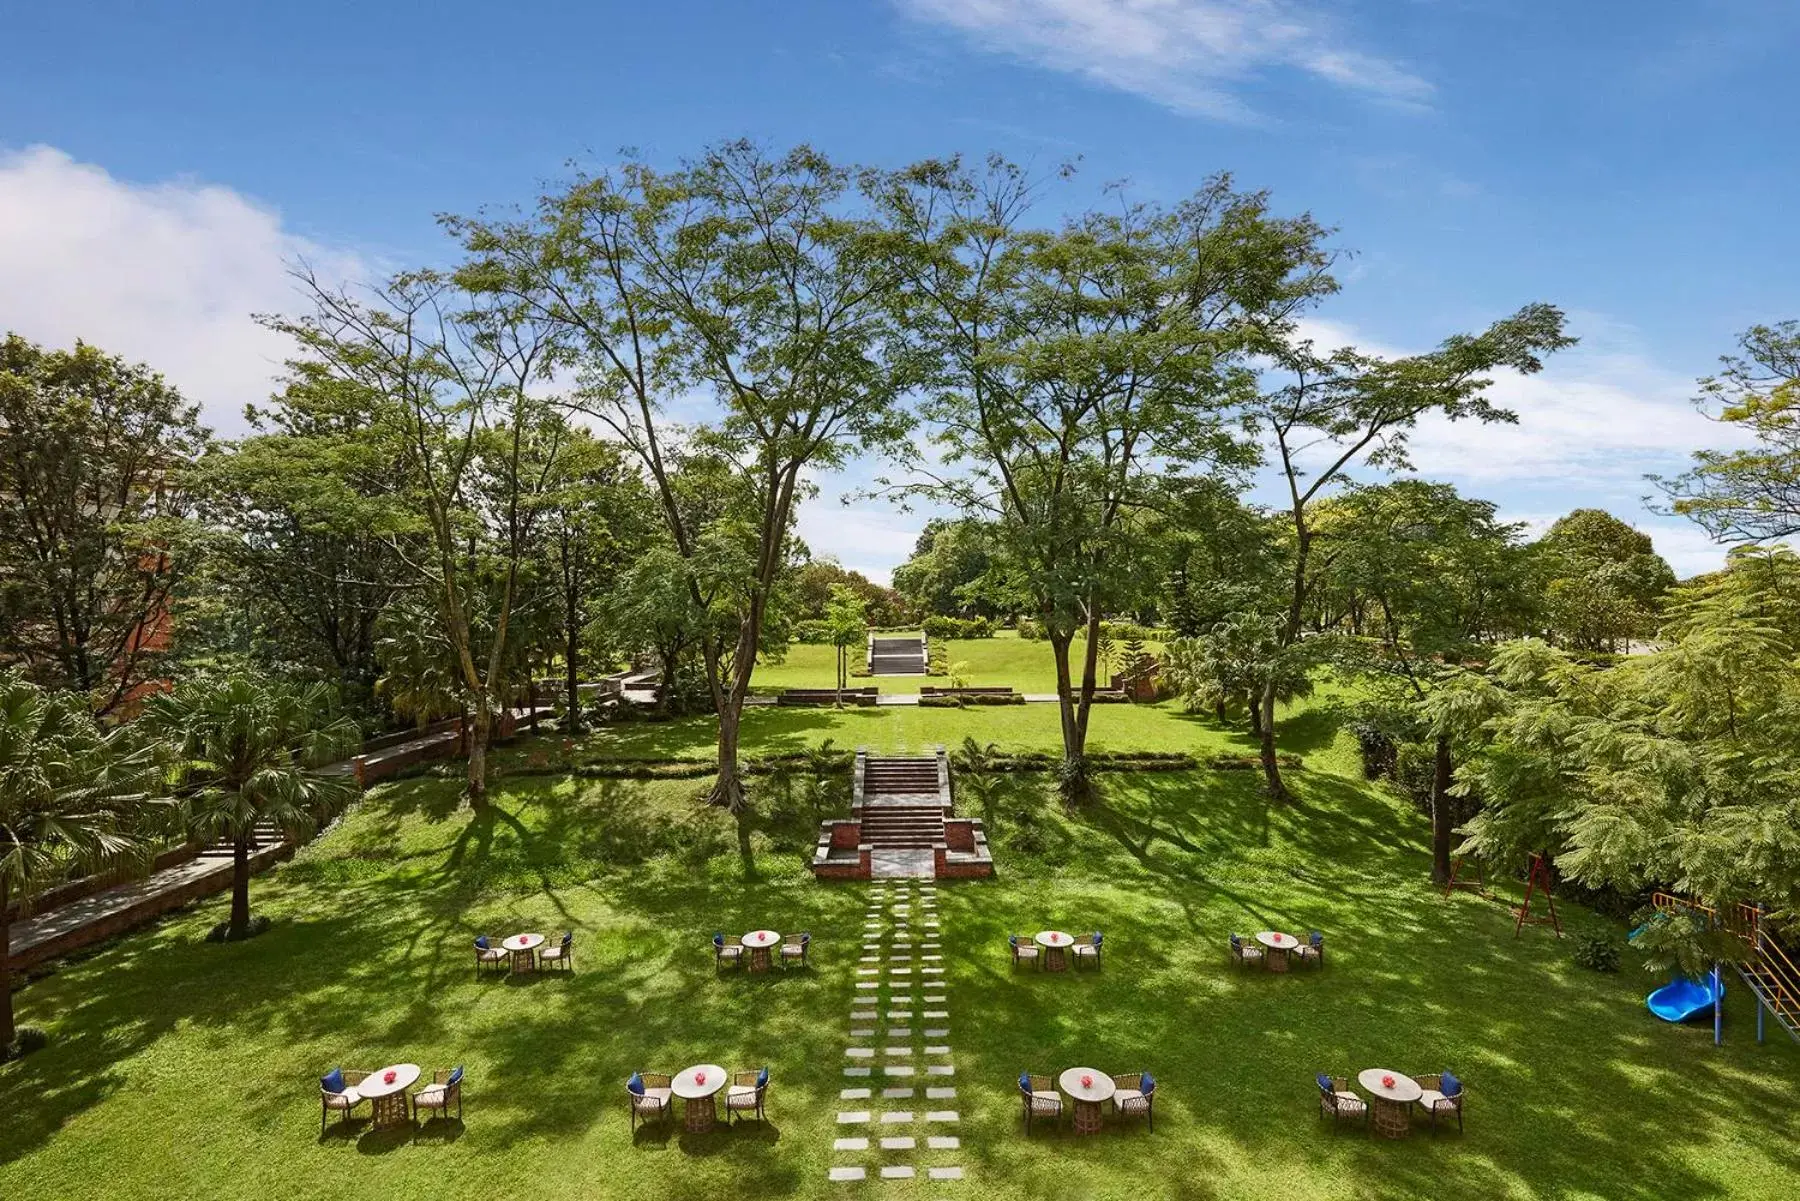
(910, 1142)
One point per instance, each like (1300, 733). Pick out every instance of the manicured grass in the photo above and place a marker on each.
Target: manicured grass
(1004, 659)
(184, 1069)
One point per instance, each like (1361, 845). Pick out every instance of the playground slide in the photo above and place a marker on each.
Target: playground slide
(1682, 998)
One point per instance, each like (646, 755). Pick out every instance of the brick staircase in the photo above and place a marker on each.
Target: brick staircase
(263, 834)
(902, 656)
(902, 825)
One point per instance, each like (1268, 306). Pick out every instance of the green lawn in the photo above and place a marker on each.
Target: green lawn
(184, 1069)
(1004, 659)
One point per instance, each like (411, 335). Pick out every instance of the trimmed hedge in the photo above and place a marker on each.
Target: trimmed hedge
(1286, 762)
(957, 628)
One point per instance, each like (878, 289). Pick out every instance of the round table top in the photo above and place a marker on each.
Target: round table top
(762, 938)
(688, 1087)
(1053, 938)
(1405, 1089)
(522, 942)
(1101, 1089)
(1278, 940)
(374, 1086)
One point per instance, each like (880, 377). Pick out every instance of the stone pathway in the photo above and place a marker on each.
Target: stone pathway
(899, 1118)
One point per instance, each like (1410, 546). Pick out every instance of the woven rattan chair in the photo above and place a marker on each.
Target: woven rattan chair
(337, 1094)
(488, 955)
(1338, 1103)
(1437, 1099)
(1040, 1098)
(727, 949)
(1023, 949)
(562, 954)
(1243, 952)
(1087, 949)
(797, 949)
(745, 1094)
(650, 1095)
(1134, 1095)
(1312, 950)
(444, 1091)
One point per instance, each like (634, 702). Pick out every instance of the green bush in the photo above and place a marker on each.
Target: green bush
(940, 626)
(1031, 629)
(222, 932)
(1596, 952)
(940, 702)
(1252, 762)
(26, 1040)
(811, 631)
(995, 698)
(1125, 631)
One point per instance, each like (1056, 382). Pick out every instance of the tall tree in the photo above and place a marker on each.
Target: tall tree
(93, 457)
(73, 800)
(943, 573)
(250, 752)
(1750, 495)
(1604, 581)
(847, 618)
(744, 275)
(1072, 367)
(1332, 413)
(477, 450)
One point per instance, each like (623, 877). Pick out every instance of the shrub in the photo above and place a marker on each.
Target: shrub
(940, 702)
(940, 626)
(995, 698)
(1107, 697)
(1596, 952)
(25, 1041)
(1287, 762)
(811, 631)
(1031, 629)
(1126, 631)
(1378, 750)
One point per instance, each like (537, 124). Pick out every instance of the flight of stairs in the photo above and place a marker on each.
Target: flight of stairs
(901, 807)
(901, 826)
(903, 656)
(263, 834)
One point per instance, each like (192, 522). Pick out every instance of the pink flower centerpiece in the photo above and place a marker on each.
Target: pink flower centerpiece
(1387, 1082)
(1087, 1082)
(388, 1076)
(700, 1078)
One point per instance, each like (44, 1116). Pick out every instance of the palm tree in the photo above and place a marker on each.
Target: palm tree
(73, 800)
(250, 752)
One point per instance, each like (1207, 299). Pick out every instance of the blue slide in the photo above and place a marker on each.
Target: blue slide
(1682, 998)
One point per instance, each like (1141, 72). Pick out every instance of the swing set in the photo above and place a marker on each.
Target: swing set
(1468, 876)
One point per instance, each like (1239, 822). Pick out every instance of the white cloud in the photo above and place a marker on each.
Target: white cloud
(166, 274)
(1185, 54)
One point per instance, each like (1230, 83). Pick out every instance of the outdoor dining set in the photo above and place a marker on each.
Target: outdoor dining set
(653, 1095)
(756, 950)
(521, 953)
(1393, 1099)
(1132, 1094)
(1275, 950)
(1053, 950)
(341, 1091)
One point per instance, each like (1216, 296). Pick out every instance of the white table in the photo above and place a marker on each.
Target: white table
(759, 942)
(1393, 1102)
(1089, 1089)
(697, 1086)
(523, 948)
(1279, 945)
(1056, 946)
(387, 1099)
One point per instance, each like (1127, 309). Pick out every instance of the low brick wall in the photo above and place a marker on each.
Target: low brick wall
(87, 886)
(959, 834)
(846, 835)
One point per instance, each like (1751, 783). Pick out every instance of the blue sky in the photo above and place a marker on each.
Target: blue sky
(1627, 161)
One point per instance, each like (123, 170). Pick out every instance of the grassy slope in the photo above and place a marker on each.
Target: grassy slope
(184, 1069)
(1004, 659)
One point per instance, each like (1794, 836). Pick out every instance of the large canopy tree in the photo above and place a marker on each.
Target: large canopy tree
(746, 279)
(1603, 581)
(1329, 414)
(73, 800)
(1072, 367)
(94, 453)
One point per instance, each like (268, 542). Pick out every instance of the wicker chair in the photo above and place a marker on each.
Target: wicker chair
(1087, 948)
(1040, 1098)
(745, 1094)
(797, 949)
(562, 954)
(1312, 950)
(1023, 949)
(1338, 1103)
(337, 1093)
(651, 1095)
(1243, 952)
(727, 949)
(1134, 1094)
(488, 955)
(1438, 1099)
(444, 1091)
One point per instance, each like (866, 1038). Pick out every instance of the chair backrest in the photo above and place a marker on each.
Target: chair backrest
(635, 1085)
(568, 937)
(1012, 940)
(332, 1081)
(1449, 1085)
(734, 940)
(481, 943)
(718, 939)
(805, 938)
(1318, 939)
(762, 1078)
(455, 1076)
(1025, 1085)
(1236, 943)
(1146, 1084)
(1096, 938)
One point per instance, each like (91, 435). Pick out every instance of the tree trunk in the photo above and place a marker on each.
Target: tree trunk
(479, 730)
(1440, 814)
(240, 886)
(1277, 790)
(7, 1032)
(1254, 704)
(728, 789)
(571, 659)
(1073, 781)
